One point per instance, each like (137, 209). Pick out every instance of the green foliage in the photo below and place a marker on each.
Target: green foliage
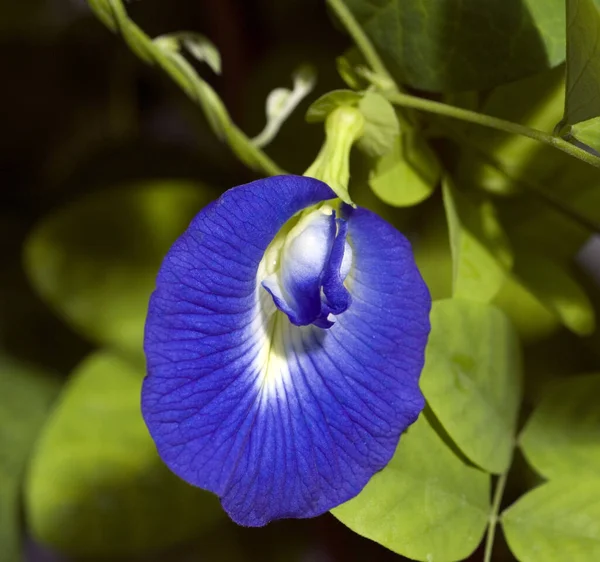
(583, 61)
(95, 261)
(381, 125)
(427, 504)
(556, 522)
(587, 132)
(96, 485)
(480, 252)
(561, 436)
(472, 379)
(25, 398)
(456, 45)
(408, 173)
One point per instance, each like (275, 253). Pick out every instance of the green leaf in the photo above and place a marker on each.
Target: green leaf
(381, 125)
(427, 504)
(25, 398)
(407, 174)
(536, 102)
(553, 285)
(561, 438)
(587, 132)
(583, 61)
(323, 106)
(457, 45)
(480, 252)
(95, 260)
(556, 522)
(96, 486)
(472, 379)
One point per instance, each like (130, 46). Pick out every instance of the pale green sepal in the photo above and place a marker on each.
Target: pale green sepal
(343, 127)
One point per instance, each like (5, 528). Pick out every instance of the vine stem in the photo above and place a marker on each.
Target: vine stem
(498, 493)
(360, 38)
(531, 187)
(430, 106)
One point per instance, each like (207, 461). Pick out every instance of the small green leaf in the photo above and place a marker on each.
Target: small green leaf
(562, 436)
(408, 173)
(96, 486)
(322, 107)
(25, 398)
(348, 73)
(427, 504)
(552, 284)
(588, 132)
(583, 61)
(472, 379)
(381, 125)
(556, 522)
(480, 252)
(95, 260)
(458, 45)
(199, 46)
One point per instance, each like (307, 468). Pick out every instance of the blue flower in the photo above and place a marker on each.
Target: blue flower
(284, 344)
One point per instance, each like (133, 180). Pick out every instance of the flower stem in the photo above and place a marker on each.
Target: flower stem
(498, 493)
(360, 38)
(430, 106)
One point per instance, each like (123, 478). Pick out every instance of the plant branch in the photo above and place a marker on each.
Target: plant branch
(531, 187)
(360, 38)
(491, 534)
(430, 106)
(113, 14)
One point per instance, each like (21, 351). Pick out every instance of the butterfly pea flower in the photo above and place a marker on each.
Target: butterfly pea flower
(284, 344)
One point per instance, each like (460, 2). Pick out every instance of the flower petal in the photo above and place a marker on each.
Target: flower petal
(296, 287)
(280, 420)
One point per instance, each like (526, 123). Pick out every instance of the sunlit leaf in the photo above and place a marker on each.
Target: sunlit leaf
(427, 504)
(96, 485)
(381, 125)
(407, 174)
(95, 260)
(587, 132)
(561, 438)
(557, 522)
(583, 61)
(25, 398)
(480, 252)
(472, 379)
(461, 44)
